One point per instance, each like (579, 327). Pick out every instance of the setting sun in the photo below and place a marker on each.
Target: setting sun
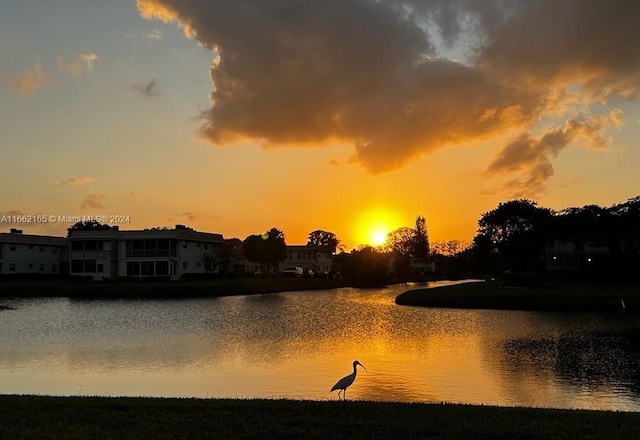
(378, 237)
(374, 225)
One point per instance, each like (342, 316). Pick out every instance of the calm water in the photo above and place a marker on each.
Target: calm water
(298, 344)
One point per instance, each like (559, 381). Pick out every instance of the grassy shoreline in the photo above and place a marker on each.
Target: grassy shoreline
(161, 289)
(39, 417)
(551, 297)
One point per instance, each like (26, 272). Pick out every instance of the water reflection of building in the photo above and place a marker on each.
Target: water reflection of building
(159, 253)
(24, 254)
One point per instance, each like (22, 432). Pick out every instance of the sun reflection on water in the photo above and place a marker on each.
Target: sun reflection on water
(297, 345)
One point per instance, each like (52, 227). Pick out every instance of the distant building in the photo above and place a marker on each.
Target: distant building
(25, 254)
(309, 257)
(421, 266)
(569, 256)
(416, 266)
(158, 253)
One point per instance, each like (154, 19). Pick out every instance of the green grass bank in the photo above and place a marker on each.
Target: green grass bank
(81, 418)
(550, 296)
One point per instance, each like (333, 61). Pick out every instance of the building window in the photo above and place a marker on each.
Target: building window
(135, 248)
(30, 246)
(12, 267)
(90, 266)
(184, 245)
(30, 266)
(100, 267)
(162, 268)
(41, 248)
(90, 245)
(133, 268)
(147, 268)
(41, 267)
(54, 250)
(184, 265)
(12, 247)
(54, 268)
(83, 266)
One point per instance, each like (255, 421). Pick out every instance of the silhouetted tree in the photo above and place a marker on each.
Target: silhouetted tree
(366, 266)
(211, 260)
(516, 230)
(159, 228)
(89, 225)
(399, 243)
(267, 249)
(616, 228)
(420, 239)
(324, 238)
(449, 248)
(229, 249)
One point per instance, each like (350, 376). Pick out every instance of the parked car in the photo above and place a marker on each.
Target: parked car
(308, 273)
(293, 271)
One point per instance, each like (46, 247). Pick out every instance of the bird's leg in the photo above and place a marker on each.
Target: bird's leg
(344, 394)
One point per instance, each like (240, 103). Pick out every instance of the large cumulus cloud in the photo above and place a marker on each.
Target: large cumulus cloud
(372, 72)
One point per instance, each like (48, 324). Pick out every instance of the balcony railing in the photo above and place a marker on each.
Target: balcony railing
(150, 253)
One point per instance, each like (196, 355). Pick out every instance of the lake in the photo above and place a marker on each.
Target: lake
(298, 344)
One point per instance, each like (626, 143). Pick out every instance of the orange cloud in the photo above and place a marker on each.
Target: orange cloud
(93, 201)
(365, 72)
(151, 9)
(31, 79)
(531, 156)
(72, 181)
(76, 67)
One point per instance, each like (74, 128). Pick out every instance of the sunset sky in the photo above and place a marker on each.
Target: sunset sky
(353, 116)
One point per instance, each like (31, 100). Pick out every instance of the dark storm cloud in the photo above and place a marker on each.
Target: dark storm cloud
(294, 72)
(595, 44)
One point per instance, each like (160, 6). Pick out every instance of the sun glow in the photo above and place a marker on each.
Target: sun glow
(378, 237)
(374, 225)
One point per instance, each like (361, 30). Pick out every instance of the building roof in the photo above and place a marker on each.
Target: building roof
(185, 234)
(307, 247)
(43, 240)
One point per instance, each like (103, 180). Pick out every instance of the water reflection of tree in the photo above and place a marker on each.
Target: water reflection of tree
(593, 360)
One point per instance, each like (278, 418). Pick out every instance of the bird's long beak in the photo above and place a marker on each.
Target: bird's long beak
(365, 368)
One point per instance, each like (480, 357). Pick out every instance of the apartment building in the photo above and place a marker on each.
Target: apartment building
(159, 253)
(310, 257)
(25, 254)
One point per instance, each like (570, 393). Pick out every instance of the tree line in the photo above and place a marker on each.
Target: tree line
(517, 236)
(513, 237)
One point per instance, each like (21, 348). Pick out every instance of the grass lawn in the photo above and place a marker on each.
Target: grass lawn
(61, 418)
(551, 296)
(160, 289)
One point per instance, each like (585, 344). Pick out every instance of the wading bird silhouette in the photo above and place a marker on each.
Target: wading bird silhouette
(346, 381)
